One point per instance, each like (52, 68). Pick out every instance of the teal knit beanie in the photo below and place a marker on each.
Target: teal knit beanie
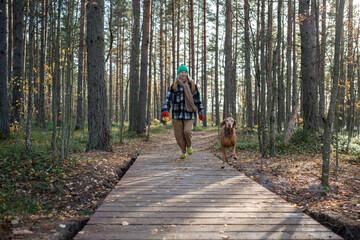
(182, 68)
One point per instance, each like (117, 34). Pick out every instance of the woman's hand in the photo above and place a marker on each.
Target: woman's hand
(165, 114)
(201, 117)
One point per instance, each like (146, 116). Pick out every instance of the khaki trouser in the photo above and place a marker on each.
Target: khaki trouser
(183, 132)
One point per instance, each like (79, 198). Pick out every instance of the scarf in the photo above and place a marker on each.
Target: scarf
(189, 100)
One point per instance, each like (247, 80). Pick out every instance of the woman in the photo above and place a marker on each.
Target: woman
(185, 97)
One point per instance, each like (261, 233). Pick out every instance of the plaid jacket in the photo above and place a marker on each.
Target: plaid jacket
(179, 109)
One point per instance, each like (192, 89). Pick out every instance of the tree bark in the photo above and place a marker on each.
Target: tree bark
(28, 142)
(322, 60)
(111, 101)
(262, 117)
(350, 70)
(205, 68)
(279, 71)
(271, 82)
(192, 38)
(228, 61)
(134, 67)
(217, 110)
(144, 64)
(18, 70)
(288, 63)
(173, 38)
(99, 134)
(161, 45)
(329, 120)
(81, 75)
(308, 80)
(4, 101)
(249, 111)
(42, 101)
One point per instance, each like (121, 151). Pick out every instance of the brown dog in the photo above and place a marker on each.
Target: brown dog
(228, 137)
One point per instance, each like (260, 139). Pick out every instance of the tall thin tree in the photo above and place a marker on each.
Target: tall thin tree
(205, 69)
(228, 60)
(18, 70)
(28, 142)
(144, 65)
(4, 101)
(44, 22)
(249, 111)
(134, 66)
(81, 75)
(308, 80)
(99, 133)
(217, 111)
(329, 120)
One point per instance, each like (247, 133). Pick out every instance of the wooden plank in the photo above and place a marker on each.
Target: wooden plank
(200, 215)
(251, 209)
(172, 228)
(97, 232)
(201, 221)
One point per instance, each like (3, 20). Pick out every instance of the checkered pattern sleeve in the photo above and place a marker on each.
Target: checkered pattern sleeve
(169, 100)
(197, 101)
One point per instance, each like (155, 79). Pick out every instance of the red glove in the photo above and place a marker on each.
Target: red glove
(165, 114)
(201, 117)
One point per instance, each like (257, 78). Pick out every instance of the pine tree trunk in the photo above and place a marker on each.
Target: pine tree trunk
(308, 80)
(294, 82)
(43, 47)
(257, 67)
(350, 70)
(322, 60)
(148, 112)
(144, 64)
(56, 80)
(10, 7)
(205, 68)
(228, 61)
(173, 38)
(217, 111)
(271, 82)
(99, 134)
(161, 45)
(192, 38)
(262, 95)
(134, 67)
(111, 104)
(4, 101)
(249, 112)
(280, 86)
(81, 77)
(28, 142)
(117, 74)
(329, 120)
(18, 70)
(288, 63)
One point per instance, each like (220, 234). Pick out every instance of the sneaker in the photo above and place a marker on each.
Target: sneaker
(189, 150)
(183, 155)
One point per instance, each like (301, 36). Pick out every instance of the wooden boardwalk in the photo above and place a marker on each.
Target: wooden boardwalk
(161, 197)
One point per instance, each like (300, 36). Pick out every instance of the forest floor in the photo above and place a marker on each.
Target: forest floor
(296, 178)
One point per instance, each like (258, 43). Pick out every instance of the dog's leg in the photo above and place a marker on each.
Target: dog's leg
(225, 157)
(234, 152)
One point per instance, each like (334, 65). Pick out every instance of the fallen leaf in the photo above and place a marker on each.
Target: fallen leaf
(125, 223)
(154, 230)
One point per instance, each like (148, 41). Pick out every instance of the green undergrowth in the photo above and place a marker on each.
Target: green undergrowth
(27, 176)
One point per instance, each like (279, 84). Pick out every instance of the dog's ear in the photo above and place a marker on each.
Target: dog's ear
(222, 123)
(235, 124)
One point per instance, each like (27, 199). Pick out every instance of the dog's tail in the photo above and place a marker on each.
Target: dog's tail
(242, 130)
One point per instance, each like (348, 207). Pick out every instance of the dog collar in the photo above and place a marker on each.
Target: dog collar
(228, 133)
